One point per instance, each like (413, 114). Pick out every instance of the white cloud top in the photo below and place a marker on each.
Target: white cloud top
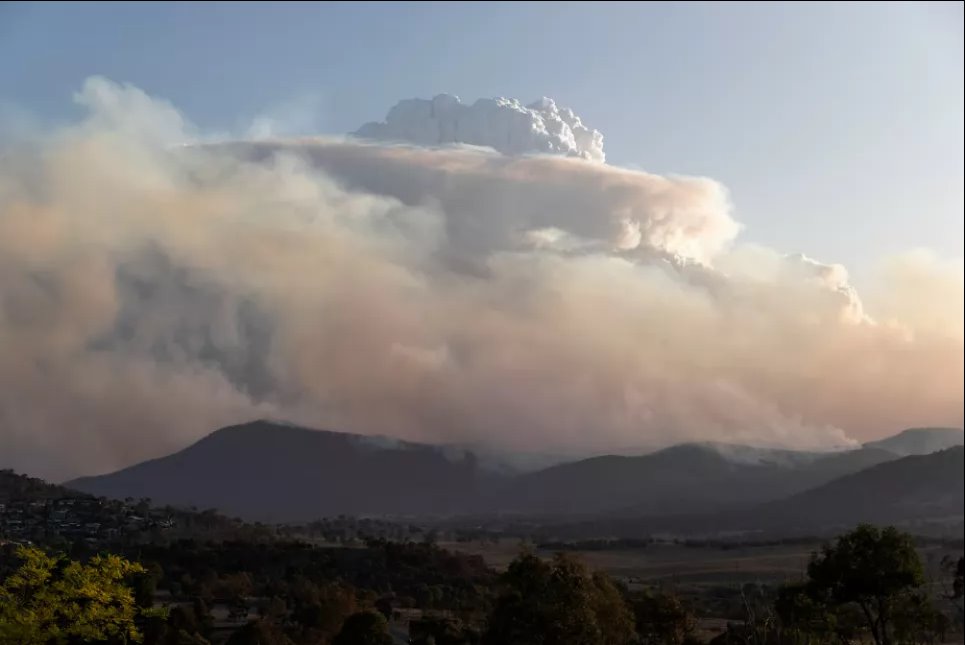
(505, 125)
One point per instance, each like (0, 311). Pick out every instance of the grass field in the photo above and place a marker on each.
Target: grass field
(667, 562)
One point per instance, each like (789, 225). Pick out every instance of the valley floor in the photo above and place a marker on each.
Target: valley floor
(716, 580)
(668, 564)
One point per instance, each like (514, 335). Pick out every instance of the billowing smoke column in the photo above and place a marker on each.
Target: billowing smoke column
(502, 124)
(151, 293)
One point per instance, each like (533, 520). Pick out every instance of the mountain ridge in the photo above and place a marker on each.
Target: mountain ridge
(249, 471)
(275, 471)
(920, 441)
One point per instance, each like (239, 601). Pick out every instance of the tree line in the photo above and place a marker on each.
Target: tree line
(866, 586)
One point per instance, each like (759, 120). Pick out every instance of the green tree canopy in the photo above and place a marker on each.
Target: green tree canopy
(804, 618)
(52, 600)
(875, 570)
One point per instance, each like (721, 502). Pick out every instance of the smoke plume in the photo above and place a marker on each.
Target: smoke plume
(151, 291)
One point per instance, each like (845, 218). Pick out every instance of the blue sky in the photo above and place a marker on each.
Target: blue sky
(837, 128)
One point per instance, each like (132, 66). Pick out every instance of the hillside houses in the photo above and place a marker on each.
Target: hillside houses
(78, 518)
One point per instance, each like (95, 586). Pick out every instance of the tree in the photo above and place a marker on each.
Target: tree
(441, 631)
(556, 604)
(958, 586)
(364, 628)
(956, 592)
(53, 600)
(803, 619)
(183, 626)
(877, 570)
(661, 618)
(145, 584)
(320, 610)
(917, 620)
(614, 617)
(233, 587)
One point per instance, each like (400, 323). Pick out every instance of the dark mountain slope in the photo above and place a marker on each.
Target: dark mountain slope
(906, 491)
(21, 487)
(683, 479)
(920, 441)
(916, 487)
(275, 472)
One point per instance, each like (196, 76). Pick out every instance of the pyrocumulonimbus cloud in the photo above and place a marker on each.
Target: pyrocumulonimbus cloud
(506, 125)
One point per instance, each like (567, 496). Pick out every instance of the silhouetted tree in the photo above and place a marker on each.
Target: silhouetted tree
(804, 619)
(613, 616)
(958, 586)
(877, 570)
(145, 584)
(956, 591)
(661, 618)
(916, 620)
(557, 603)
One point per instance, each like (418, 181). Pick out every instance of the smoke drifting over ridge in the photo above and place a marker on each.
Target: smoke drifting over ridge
(149, 294)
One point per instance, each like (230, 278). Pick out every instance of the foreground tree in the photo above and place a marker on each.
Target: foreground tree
(613, 615)
(558, 603)
(50, 600)
(804, 619)
(917, 620)
(876, 570)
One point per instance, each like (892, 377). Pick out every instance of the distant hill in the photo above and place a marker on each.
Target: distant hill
(688, 478)
(275, 472)
(14, 486)
(911, 491)
(917, 487)
(920, 441)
